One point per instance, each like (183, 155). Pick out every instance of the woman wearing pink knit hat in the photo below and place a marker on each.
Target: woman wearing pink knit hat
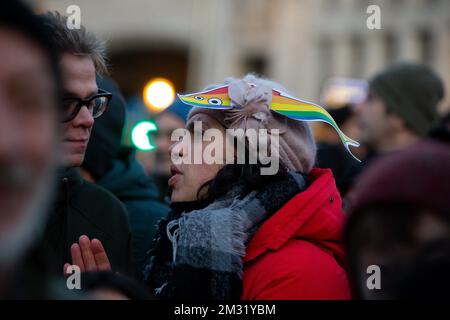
(235, 232)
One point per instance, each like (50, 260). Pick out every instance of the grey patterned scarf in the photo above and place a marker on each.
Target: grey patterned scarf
(208, 245)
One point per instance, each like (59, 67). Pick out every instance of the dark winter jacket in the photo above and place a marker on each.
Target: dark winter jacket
(82, 208)
(128, 182)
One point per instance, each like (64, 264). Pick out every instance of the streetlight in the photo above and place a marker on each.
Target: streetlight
(158, 94)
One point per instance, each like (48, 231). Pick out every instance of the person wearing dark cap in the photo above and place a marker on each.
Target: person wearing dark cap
(401, 107)
(399, 221)
(115, 168)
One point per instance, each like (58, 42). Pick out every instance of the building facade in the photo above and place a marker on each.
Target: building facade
(299, 43)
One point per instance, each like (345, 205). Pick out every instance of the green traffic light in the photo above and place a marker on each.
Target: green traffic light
(140, 135)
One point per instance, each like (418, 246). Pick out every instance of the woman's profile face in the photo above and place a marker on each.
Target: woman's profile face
(188, 177)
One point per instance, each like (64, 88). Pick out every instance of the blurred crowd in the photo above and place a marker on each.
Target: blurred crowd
(325, 226)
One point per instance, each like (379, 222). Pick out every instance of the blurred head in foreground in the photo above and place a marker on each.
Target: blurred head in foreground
(29, 132)
(400, 223)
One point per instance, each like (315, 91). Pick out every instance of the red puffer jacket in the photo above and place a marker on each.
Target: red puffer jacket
(296, 253)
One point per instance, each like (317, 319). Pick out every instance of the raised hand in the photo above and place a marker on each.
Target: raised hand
(89, 256)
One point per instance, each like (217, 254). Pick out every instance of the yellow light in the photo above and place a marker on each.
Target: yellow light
(158, 94)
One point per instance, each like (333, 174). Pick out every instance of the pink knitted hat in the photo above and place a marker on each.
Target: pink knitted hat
(251, 97)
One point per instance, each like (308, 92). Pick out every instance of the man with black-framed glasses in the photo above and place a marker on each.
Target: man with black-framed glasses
(96, 104)
(79, 113)
(88, 226)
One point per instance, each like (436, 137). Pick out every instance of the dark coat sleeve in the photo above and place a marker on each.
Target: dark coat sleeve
(97, 213)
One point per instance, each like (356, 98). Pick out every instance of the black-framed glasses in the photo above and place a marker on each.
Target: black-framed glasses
(96, 105)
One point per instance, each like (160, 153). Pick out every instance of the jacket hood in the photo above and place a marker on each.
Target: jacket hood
(127, 179)
(314, 215)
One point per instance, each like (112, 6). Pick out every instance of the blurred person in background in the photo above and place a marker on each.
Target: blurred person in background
(339, 97)
(399, 221)
(172, 118)
(400, 107)
(86, 219)
(235, 233)
(29, 146)
(114, 167)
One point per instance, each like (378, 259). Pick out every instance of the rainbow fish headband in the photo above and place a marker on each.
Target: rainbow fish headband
(281, 103)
